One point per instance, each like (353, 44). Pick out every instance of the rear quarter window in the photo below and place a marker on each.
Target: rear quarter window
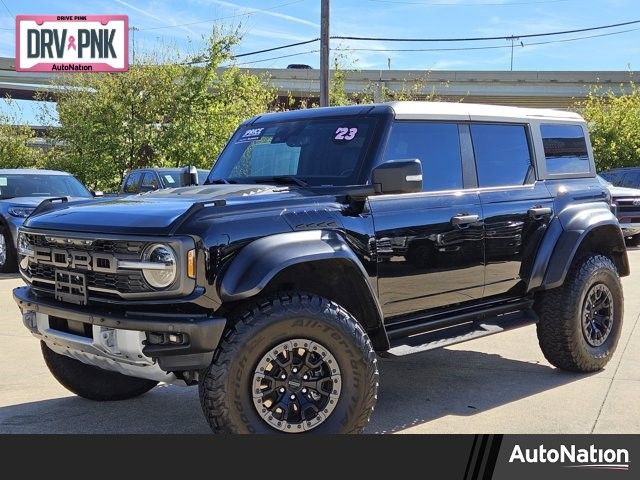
(565, 149)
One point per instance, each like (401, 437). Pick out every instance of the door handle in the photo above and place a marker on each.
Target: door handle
(463, 221)
(539, 212)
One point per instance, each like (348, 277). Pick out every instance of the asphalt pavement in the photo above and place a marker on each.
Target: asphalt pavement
(498, 384)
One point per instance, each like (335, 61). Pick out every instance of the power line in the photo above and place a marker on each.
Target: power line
(488, 47)
(7, 9)
(501, 4)
(277, 58)
(212, 20)
(276, 48)
(477, 39)
(273, 49)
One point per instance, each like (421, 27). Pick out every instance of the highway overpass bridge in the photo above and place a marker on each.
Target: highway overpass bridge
(519, 88)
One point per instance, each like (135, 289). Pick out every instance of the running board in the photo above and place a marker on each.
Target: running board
(461, 333)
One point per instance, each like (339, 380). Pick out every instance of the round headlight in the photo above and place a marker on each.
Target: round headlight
(162, 271)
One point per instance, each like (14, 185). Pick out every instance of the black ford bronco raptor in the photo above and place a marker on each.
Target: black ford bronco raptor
(323, 238)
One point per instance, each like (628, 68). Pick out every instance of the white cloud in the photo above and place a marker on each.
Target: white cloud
(270, 13)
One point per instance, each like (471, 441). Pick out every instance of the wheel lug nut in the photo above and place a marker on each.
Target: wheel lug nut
(292, 397)
(304, 390)
(295, 370)
(305, 377)
(281, 389)
(283, 377)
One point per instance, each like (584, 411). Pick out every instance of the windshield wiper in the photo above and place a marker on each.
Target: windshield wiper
(290, 179)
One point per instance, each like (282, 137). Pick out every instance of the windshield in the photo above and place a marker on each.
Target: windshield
(40, 185)
(177, 178)
(604, 182)
(314, 151)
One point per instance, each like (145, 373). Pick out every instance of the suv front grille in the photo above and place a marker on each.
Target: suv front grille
(115, 247)
(627, 210)
(129, 282)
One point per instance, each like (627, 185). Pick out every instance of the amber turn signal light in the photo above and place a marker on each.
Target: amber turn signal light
(191, 264)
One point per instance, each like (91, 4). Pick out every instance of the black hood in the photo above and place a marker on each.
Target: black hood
(150, 213)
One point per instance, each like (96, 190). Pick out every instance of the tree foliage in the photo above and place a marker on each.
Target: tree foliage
(164, 112)
(15, 151)
(415, 89)
(614, 126)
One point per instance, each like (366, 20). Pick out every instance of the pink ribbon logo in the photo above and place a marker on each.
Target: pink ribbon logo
(72, 43)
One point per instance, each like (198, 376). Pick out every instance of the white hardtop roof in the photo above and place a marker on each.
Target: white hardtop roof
(475, 111)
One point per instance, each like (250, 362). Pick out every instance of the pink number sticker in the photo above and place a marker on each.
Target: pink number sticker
(345, 134)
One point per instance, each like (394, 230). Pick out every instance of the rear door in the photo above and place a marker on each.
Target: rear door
(516, 207)
(429, 244)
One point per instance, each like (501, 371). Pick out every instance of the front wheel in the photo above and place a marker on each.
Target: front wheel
(293, 363)
(92, 382)
(580, 322)
(8, 256)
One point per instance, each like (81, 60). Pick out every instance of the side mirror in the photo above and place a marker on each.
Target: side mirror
(97, 193)
(398, 176)
(190, 176)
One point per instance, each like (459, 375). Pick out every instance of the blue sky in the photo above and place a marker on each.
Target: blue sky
(267, 23)
(181, 24)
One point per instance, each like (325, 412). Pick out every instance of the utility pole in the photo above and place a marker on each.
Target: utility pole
(513, 40)
(133, 43)
(324, 53)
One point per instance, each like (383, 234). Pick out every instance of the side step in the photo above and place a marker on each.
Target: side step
(461, 333)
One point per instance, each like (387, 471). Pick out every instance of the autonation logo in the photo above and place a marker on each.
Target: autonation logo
(574, 457)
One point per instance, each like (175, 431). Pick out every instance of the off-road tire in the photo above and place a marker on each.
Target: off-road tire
(92, 382)
(561, 314)
(225, 389)
(11, 263)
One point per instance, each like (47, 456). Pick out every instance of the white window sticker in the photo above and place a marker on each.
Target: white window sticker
(251, 135)
(3, 181)
(345, 134)
(169, 179)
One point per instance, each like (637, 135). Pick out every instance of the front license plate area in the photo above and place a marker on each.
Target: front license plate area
(71, 287)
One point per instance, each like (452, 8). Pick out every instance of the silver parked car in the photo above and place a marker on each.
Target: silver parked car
(21, 191)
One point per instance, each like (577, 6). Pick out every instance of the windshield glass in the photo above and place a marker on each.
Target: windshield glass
(41, 185)
(315, 151)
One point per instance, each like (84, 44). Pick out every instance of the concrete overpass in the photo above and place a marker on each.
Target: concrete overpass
(519, 88)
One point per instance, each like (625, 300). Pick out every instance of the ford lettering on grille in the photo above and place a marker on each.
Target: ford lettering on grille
(76, 259)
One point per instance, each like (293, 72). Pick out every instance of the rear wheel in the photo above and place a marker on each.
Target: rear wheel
(580, 322)
(8, 256)
(92, 382)
(293, 363)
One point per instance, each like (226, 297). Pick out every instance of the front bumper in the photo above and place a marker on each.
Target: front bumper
(200, 333)
(630, 229)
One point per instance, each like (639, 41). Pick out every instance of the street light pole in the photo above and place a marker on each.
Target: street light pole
(324, 53)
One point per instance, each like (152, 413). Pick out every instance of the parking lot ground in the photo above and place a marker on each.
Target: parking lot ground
(498, 384)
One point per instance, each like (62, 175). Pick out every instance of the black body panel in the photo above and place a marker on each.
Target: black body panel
(422, 257)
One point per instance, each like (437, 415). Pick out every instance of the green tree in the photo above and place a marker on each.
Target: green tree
(164, 112)
(414, 89)
(614, 127)
(15, 151)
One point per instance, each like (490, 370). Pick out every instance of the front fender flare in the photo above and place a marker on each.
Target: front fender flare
(260, 261)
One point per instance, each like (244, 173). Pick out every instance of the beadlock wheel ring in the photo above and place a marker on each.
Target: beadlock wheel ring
(296, 385)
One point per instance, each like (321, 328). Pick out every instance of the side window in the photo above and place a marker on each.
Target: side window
(502, 154)
(149, 182)
(131, 185)
(565, 149)
(436, 145)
